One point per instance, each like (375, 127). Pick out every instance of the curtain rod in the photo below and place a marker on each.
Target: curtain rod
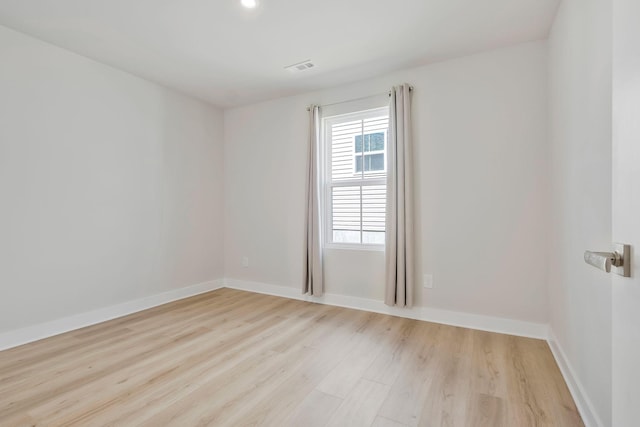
(357, 99)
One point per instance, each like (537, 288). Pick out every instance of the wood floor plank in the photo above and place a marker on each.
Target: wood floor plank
(489, 363)
(360, 407)
(244, 384)
(410, 390)
(341, 342)
(485, 410)
(213, 401)
(543, 380)
(315, 410)
(233, 358)
(204, 366)
(291, 385)
(527, 398)
(388, 364)
(344, 377)
(105, 337)
(67, 399)
(386, 422)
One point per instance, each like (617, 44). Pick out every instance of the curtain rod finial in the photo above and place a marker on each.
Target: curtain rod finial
(410, 90)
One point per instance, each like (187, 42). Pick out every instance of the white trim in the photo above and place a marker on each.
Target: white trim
(44, 330)
(583, 403)
(453, 318)
(355, 246)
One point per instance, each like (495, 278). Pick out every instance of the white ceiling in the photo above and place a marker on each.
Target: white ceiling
(227, 55)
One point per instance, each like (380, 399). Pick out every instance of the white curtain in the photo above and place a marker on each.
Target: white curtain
(313, 281)
(399, 255)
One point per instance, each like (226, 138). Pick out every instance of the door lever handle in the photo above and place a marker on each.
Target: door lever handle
(619, 260)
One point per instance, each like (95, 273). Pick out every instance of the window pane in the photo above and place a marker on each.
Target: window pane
(373, 213)
(373, 237)
(342, 146)
(350, 137)
(358, 144)
(348, 218)
(377, 141)
(372, 142)
(346, 212)
(374, 162)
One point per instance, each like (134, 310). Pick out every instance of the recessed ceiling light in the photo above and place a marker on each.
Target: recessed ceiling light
(249, 4)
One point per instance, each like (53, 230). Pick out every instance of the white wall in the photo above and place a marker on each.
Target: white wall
(580, 137)
(481, 159)
(110, 186)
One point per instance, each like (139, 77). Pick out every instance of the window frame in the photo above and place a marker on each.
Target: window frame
(329, 184)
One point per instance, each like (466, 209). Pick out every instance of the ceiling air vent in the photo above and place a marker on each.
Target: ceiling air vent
(300, 66)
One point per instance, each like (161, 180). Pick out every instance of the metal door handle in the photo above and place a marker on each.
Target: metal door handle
(619, 260)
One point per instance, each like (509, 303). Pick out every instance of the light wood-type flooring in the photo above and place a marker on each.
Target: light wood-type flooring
(233, 358)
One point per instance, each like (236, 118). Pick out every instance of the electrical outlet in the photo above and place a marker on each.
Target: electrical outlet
(245, 261)
(427, 281)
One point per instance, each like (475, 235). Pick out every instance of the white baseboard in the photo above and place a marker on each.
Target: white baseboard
(44, 330)
(453, 318)
(583, 403)
(473, 321)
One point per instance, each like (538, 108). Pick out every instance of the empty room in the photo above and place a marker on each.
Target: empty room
(319, 213)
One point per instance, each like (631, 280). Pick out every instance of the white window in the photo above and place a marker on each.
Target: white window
(355, 191)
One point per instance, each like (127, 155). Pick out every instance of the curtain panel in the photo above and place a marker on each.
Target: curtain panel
(313, 264)
(399, 238)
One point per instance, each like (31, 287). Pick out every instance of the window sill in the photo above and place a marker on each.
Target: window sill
(354, 247)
